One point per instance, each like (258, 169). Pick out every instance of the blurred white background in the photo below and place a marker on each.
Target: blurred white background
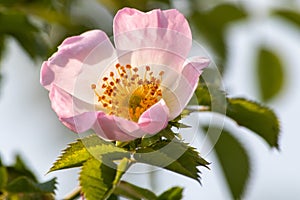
(28, 125)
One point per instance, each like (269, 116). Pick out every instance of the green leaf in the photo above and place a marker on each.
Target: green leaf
(49, 186)
(80, 151)
(203, 95)
(22, 169)
(270, 74)
(255, 117)
(292, 16)
(3, 177)
(175, 156)
(48, 14)
(163, 135)
(98, 180)
(74, 156)
(19, 26)
(113, 197)
(26, 185)
(133, 192)
(213, 24)
(177, 121)
(252, 115)
(115, 5)
(18, 182)
(174, 193)
(25, 188)
(209, 94)
(234, 161)
(19, 169)
(143, 5)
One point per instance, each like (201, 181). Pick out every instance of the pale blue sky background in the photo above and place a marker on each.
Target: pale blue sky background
(29, 126)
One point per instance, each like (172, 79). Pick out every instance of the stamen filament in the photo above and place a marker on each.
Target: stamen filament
(125, 94)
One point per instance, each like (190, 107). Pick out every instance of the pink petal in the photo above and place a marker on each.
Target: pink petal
(193, 69)
(64, 66)
(129, 19)
(80, 117)
(80, 123)
(155, 37)
(155, 118)
(116, 128)
(178, 98)
(72, 112)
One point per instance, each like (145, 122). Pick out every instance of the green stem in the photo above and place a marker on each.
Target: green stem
(152, 178)
(74, 194)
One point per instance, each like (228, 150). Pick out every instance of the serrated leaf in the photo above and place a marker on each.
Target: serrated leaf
(82, 150)
(212, 25)
(174, 193)
(270, 74)
(176, 122)
(234, 161)
(3, 177)
(73, 156)
(175, 156)
(163, 135)
(252, 115)
(133, 192)
(98, 180)
(255, 117)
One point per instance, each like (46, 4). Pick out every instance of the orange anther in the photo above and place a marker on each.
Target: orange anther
(93, 86)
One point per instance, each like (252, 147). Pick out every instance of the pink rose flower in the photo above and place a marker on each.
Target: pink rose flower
(131, 89)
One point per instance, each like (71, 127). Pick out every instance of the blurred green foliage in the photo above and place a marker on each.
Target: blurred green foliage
(233, 158)
(270, 74)
(40, 25)
(212, 25)
(18, 182)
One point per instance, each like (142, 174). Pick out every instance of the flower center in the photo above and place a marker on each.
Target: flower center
(127, 93)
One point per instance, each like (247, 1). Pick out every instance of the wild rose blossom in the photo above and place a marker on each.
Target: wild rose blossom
(132, 89)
